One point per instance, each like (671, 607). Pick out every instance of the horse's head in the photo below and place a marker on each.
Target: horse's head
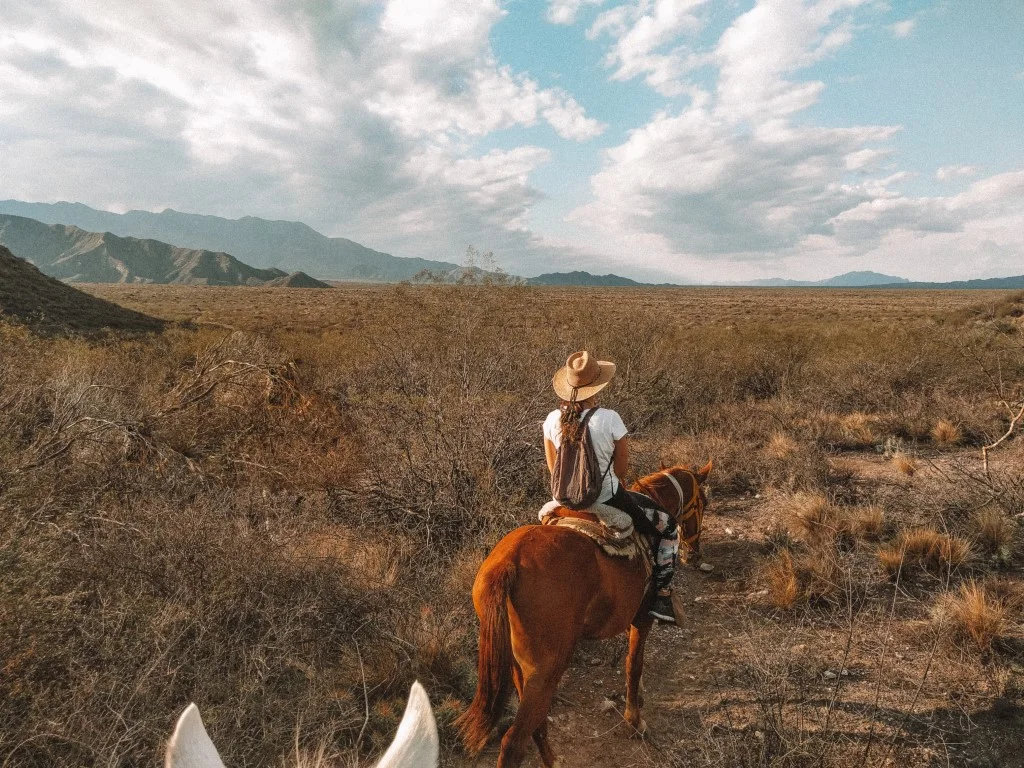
(682, 491)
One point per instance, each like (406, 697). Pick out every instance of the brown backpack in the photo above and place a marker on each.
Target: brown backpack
(576, 477)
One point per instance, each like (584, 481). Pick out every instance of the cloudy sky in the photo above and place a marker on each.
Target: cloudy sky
(699, 140)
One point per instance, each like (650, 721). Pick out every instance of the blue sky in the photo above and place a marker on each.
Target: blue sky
(660, 139)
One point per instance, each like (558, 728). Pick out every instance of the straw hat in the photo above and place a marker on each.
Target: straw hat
(582, 377)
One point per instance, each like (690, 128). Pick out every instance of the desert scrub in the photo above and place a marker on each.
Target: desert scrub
(994, 532)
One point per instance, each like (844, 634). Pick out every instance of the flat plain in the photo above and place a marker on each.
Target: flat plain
(276, 508)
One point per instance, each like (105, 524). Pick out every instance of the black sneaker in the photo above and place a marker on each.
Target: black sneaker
(662, 609)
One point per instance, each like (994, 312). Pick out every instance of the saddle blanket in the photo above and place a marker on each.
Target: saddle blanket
(614, 533)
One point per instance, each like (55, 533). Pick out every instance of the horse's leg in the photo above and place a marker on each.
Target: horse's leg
(531, 720)
(634, 672)
(540, 738)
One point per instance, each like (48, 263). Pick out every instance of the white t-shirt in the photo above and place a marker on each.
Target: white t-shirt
(605, 428)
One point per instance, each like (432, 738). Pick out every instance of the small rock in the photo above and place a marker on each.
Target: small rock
(595, 662)
(707, 567)
(759, 735)
(607, 706)
(830, 675)
(798, 648)
(729, 532)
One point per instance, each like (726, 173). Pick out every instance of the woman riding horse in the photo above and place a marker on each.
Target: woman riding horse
(543, 588)
(577, 385)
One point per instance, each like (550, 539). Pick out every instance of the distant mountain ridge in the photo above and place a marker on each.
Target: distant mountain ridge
(68, 253)
(287, 245)
(863, 279)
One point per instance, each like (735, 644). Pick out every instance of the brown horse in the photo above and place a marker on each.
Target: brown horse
(541, 590)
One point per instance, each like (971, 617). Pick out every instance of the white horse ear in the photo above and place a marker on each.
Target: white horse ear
(190, 746)
(416, 743)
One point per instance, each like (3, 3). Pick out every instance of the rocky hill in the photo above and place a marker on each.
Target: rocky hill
(290, 245)
(582, 278)
(76, 255)
(29, 296)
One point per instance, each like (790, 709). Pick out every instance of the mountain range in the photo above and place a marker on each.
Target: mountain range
(286, 245)
(88, 244)
(846, 280)
(76, 255)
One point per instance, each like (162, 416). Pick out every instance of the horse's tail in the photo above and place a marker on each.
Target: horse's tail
(494, 667)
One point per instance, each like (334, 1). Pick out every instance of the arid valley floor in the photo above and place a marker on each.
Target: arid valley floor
(276, 507)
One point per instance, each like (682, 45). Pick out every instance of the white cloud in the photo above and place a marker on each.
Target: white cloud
(565, 11)
(739, 181)
(644, 33)
(947, 172)
(321, 111)
(903, 29)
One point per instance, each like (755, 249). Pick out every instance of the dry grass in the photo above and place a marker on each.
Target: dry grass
(923, 548)
(973, 615)
(946, 433)
(316, 484)
(813, 576)
(994, 533)
(781, 446)
(859, 430)
(904, 464)
(867, 522)
(811, 517)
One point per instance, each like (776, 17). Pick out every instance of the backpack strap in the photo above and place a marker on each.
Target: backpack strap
(611, 461)
(586, 419)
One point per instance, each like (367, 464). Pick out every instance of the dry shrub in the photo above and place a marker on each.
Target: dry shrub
(867, 522)
(924, 548)
(994, 533)
(904, 464)
(972, 615)
(946, 433)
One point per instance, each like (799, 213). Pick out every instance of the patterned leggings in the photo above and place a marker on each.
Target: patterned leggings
(656, 523)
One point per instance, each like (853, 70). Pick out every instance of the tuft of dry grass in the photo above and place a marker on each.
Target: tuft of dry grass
(925, 548)
(859, 429)
(994, 532)
(946, 433)
(781, 446)
(972, 615)
(780, 574)
(867, 522)
(904, 464)
(811, 517)
(812, 576)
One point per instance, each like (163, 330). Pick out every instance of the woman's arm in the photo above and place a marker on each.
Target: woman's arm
(620, 457)
(549, 454)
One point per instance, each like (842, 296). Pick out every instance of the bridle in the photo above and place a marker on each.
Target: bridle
(687, 508)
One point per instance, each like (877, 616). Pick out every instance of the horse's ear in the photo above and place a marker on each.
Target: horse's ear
(702, 474)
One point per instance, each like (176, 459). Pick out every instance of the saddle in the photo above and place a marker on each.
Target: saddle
(609, 528)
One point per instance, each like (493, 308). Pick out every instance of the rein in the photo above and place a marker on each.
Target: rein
(686, 509)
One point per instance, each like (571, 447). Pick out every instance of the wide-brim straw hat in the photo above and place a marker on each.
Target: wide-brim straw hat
(582, 377)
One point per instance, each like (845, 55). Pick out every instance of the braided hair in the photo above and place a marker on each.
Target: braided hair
(572, 416)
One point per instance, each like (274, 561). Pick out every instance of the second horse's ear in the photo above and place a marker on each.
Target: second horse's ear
(702, 474)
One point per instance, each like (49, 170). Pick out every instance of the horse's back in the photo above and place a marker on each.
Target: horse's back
(559, 575)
